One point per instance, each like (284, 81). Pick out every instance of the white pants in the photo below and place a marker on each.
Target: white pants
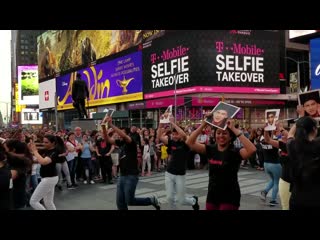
(285, 194)
(45, 191)
(176, 190)
(63, 167)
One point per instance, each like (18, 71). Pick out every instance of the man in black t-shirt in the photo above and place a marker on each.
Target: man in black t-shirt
(5, 183)
(175, 176)
(129, 173)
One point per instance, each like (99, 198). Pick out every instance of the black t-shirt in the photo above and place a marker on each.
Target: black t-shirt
(128, 160)
(305, 168)
(49, 170)
(284, 160)
(270, 154)
(179, 151)
(103, 147)
(223, 175)
(5, 188)
(19, 189)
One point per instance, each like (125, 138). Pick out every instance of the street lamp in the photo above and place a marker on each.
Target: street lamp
(298, 70)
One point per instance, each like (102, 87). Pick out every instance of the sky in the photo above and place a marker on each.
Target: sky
(5, 70)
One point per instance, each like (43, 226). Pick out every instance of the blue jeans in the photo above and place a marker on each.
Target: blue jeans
(126, 189)
(274, 171)
(72, 164)
(34, 181)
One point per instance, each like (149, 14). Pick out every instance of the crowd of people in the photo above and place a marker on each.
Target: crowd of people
(35, 164)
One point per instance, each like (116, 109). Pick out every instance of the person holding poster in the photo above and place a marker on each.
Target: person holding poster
(271, 117)
(224, 163)
(129, 172)
(220, 114)
(310, 103)
(165, 118)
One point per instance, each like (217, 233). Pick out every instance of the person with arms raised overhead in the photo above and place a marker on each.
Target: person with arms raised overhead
(129, 173)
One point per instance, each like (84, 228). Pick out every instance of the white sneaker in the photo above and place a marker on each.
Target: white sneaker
(91, 182)
(85, 182)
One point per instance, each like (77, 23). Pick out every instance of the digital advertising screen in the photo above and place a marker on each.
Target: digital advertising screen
(31, 116)
(226, 61)
(63, 50)
(28, 85)
(315, 63)
(47, 91)
(114, 81)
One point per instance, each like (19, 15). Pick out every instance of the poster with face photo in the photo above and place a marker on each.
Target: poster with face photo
(310, 101)
(165, 118)
(109, 112)
(220, 114)
(271, 117)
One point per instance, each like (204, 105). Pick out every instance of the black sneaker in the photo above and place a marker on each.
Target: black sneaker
(273, 203)
(74, 185)
(155, 202)
(70, 187)
(59, 187)
(263, 196)
(196, 205)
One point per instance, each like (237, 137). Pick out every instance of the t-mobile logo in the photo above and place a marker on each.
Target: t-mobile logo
(46, 95)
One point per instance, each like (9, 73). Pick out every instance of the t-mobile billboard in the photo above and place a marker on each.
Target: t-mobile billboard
(228, 61)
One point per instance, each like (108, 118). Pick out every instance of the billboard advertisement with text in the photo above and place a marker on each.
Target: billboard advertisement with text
(228, 61)
(118, 80)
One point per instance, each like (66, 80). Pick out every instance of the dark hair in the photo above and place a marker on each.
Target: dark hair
(2, 153)
(51, 138)
(304, 161)
(60, 145)
(232, 135)
(304, 126)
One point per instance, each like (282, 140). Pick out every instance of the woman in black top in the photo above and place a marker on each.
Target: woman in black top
(5, 182)
(19, 160)
(224, 162)
(48, 173)
(304, 154)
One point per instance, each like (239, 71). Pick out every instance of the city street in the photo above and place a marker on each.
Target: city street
(103, 196)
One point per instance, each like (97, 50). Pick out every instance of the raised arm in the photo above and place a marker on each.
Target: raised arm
(179, 130)
(292, 131)
(248, 147)
(161, 135)
(122, 134)
(191, 140)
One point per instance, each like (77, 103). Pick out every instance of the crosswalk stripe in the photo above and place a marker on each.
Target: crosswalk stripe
(161, 181)
(244, 173)
(143, 190)
(150, 179)
(250, 182)
(109, 186)
(198, 185)
(252, 189)
(157, 193)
